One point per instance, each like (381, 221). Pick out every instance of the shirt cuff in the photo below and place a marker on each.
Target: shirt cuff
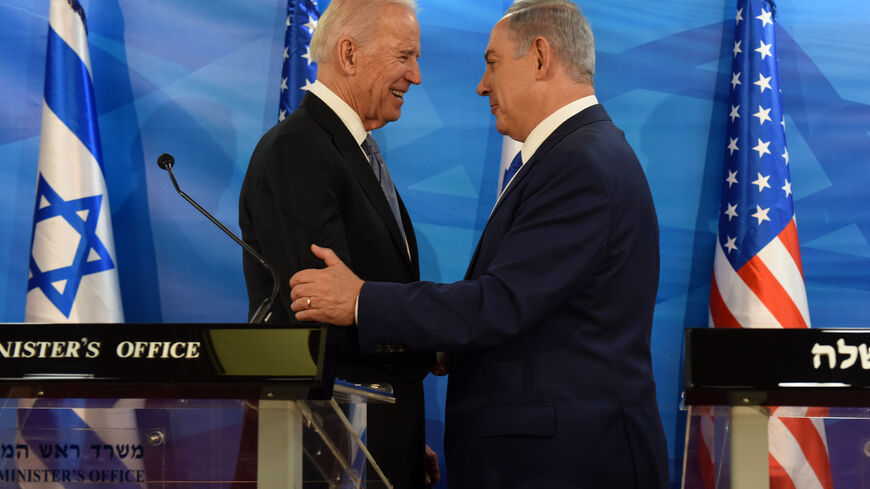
(356, 311)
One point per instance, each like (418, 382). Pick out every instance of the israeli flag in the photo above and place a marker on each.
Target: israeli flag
(73, 268)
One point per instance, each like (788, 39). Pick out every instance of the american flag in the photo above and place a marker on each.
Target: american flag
(757, 274)
(298, 71)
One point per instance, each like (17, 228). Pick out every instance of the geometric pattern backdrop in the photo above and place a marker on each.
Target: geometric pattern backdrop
(200, 80)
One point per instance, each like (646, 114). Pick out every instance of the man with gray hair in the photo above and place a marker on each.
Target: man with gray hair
(551, 381)
(318, 177)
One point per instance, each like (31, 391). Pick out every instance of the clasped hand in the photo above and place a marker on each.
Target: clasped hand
(325, 295)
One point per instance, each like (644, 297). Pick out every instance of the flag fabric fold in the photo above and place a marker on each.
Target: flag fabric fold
(298, 71)
(757, 273)
(73, 269)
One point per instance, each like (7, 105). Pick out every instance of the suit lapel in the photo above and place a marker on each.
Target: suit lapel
(359, 166)
(591, 114)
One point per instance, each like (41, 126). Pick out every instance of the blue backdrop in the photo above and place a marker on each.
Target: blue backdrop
(201, 80)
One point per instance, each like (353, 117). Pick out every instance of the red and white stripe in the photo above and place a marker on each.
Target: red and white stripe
(768, 292)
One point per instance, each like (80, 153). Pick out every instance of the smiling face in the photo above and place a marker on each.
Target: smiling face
(507, 82)
(387, 67)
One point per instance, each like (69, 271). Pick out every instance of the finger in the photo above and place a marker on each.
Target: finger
(307, 315)
(300, 304)
(298, 291)
(303, 277)
(327, 255)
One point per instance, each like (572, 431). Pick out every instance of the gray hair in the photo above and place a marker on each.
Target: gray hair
(564, 27)
(355, 19)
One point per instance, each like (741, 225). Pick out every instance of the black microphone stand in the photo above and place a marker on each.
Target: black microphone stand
(261, 315)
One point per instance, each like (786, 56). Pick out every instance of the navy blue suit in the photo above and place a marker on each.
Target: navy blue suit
(551, 381)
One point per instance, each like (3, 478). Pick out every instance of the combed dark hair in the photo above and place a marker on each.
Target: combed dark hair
(563, 26)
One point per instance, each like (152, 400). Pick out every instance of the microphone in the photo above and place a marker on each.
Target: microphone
(263, 313)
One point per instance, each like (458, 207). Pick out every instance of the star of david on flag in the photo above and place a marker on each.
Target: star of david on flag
(73, 275)
(757, 273)
(298, 71)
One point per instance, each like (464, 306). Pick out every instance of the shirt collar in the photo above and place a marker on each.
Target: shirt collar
(546, 127)
(344, 112)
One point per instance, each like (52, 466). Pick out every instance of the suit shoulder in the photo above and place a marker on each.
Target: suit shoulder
(600, 143)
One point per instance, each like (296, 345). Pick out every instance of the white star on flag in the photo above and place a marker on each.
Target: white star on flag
(734, 112)
(762, 147)
(732, 145)
(307, 85)
(763, 115)
(761, 214)
(732, 211)
(764, 49)
(735, 80)
(311, 25)
(732, 178)
(765, 18)
(763, 82)
(761, 182)
(785, 155)
(729, 244)
(787, 188)
(737, 47)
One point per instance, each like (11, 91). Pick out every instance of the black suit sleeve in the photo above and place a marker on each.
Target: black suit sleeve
(293, 201)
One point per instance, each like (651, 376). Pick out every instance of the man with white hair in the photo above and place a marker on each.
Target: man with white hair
(551, 381)
(318, 177)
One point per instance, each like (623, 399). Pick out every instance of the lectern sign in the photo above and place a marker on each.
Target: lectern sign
(161, 360)
(85, 348)
(847, 353)
(798, 367)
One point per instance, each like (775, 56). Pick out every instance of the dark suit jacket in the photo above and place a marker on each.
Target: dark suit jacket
(309, 182)
(550, 378)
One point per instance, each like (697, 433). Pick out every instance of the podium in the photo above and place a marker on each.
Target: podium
(179, 405)
(739, 383)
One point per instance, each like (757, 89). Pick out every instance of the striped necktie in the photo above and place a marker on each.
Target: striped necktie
(370, 147)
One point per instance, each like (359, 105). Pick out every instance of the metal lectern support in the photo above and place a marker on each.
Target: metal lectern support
(279, 445)
(750, 468)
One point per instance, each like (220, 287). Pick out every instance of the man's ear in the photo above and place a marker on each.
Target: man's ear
(348, 56)
(544, 57)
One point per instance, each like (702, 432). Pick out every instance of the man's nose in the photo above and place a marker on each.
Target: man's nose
(413, 75)
(483, 86)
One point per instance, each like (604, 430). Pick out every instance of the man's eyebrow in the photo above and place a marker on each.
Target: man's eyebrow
(488, 53)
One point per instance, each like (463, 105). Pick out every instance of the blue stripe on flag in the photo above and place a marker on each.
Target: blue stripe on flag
(69, 93)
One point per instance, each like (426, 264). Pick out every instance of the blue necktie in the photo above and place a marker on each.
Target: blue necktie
(370, 147)
(515, 165)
